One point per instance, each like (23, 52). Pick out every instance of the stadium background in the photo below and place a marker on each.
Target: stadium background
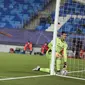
(33, 20)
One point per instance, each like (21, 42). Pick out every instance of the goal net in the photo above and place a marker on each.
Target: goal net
(72, 20)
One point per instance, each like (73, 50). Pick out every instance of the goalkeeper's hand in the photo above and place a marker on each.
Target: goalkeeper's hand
(65, 65)
(58, 55)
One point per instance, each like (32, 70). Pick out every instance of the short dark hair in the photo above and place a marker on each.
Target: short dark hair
(63, 32)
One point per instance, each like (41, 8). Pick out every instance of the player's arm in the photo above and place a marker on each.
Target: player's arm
(50, 45)
(6, 34)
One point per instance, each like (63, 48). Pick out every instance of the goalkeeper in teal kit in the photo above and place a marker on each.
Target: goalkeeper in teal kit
(61, 52)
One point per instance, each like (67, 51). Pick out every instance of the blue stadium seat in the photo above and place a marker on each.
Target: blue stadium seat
(18, 11)
(2, 24)
(72, 24)
(72, 8)
(39, 27)
(47, 25)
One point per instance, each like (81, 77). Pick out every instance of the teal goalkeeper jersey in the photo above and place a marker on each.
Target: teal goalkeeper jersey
(61, 46)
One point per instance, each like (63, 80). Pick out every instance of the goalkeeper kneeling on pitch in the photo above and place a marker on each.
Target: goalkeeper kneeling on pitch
(61, 52)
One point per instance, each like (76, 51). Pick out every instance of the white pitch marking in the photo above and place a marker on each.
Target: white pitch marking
(24, 77)
(27, 77)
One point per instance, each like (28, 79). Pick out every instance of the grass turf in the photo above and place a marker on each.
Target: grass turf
(18, 65)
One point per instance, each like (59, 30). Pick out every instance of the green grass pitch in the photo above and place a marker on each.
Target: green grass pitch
(19, 65)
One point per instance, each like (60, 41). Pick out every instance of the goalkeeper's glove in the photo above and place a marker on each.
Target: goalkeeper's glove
(65, 65)
(49, 51)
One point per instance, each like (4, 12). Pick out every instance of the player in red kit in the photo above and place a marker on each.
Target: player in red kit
(28, 46)
(44, 48)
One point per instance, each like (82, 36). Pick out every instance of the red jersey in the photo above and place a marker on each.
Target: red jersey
(28, 46)
(44, 48)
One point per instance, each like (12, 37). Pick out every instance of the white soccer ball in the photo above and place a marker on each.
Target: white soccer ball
(64, 72)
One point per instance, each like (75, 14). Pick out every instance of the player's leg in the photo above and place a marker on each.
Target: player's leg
(46, 69)
(30, 52)
(58, 62)
(38, 68)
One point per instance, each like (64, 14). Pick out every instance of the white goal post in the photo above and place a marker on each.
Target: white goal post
(54, 37)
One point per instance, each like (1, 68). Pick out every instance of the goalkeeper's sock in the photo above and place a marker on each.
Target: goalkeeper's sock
(45, 70)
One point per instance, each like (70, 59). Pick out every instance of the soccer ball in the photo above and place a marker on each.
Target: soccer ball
(64, 72)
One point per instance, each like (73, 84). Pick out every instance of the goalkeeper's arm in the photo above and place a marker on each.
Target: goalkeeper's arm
(50, 45)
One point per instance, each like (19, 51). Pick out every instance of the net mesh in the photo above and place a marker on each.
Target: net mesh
(72, 21)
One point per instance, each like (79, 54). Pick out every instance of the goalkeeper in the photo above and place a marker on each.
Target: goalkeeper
(61, 52)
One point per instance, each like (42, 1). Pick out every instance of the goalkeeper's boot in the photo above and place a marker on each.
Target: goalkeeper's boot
(36, 69)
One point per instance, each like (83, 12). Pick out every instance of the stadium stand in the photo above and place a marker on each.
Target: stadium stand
(73, 24)
(16, 13)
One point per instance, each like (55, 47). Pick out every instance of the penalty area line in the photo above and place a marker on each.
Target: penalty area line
(24, 77)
